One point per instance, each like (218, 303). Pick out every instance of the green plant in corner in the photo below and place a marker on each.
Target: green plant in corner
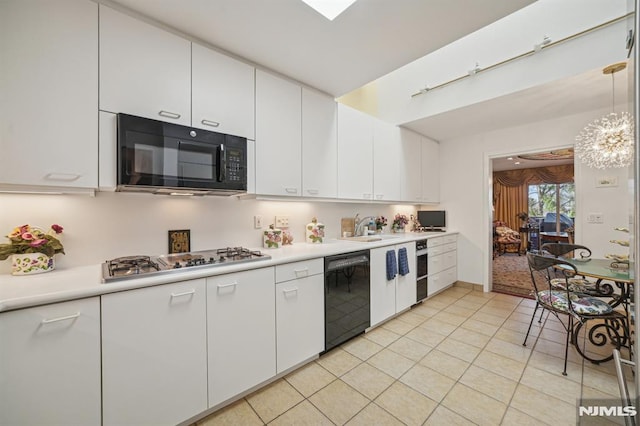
(31, 239)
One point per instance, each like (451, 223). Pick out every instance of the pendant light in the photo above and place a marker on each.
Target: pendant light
(607, 142)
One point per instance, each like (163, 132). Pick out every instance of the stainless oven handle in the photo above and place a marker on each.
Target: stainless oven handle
(222, 164)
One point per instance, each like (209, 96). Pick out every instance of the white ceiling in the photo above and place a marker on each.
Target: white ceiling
(509, 163)
(370, 39)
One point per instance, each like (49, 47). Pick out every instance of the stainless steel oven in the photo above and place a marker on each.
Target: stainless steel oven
(422, 269)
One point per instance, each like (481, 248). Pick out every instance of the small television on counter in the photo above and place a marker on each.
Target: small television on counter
(432, 220)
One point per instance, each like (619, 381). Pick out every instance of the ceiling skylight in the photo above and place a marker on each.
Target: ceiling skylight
(329, 8)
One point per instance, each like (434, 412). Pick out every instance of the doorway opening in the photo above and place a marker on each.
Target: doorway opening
(533, 202)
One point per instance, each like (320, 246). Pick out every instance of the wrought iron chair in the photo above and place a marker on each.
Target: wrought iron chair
(578, 308)
(580, 283)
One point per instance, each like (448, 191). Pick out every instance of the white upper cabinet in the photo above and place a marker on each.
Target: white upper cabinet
(48, 96)
(386, 161)
(355, 154)
(278, 136)
(410, 172)
(223, 93)
(430, 171)
(144, 70)
(319, 145)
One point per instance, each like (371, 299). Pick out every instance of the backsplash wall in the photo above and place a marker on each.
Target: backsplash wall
(119, 224)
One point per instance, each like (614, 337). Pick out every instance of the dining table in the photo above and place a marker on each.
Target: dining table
(613, 280)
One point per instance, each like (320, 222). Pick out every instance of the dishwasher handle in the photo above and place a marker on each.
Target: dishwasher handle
(334, 264)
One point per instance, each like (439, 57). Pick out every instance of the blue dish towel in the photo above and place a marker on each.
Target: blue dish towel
(403, 261)
(392, 268)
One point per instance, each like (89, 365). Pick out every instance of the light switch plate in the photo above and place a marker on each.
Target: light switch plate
(257, 222)
(595, 218)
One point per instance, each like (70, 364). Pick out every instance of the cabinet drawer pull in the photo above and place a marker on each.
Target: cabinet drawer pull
(233, 284)
(290, 290)
(366, 196)
(169, 114)
(299, 272)
(313, 191)
(68, 317)
(186, 293)
(64, 177)
(379, 196)
(291, 190)
(210, 123)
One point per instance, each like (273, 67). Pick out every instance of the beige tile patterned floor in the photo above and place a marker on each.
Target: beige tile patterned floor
(455, 359)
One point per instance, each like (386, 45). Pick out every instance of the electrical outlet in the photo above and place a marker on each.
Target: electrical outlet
(257, 222)
(282, 221)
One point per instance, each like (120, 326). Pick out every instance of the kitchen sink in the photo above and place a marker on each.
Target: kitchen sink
(369, 238)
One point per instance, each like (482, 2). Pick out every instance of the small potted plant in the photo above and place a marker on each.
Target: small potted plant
(31, 249)
(381, 222)
(399, 222)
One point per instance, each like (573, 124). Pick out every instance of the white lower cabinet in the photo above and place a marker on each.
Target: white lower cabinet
(389, 297)
(442, 263)
(299, 312)
(154, 354)
(241, 332)
(50, 364)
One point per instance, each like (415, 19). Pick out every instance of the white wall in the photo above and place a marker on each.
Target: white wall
(120, 224)
(465, 189)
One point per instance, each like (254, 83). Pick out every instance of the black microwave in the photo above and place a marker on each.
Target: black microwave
(166, 158)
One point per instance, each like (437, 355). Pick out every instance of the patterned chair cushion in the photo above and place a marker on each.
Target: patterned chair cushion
(507, 235)
(575, 284)
(582, 305)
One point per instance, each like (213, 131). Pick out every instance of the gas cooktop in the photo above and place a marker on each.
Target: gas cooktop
(128, 267)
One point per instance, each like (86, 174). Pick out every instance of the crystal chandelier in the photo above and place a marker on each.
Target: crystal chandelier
(608, 142)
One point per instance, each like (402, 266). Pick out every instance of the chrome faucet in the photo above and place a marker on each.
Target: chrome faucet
(359, 224)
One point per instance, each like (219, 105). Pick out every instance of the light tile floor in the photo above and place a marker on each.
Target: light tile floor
(456, 359)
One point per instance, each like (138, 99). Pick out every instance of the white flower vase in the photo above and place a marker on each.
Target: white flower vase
(31, 263)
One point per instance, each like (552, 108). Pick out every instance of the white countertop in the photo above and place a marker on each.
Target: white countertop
(86, 281)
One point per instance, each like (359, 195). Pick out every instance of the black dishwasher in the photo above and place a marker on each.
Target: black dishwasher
(347, 311)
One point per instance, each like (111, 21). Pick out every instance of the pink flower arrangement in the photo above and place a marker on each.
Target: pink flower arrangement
(400, 221)
(31, 239)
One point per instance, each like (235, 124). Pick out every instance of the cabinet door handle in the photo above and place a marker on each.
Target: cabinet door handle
(366, 196)
(290, 290)
(210, 123)
(63, 177)
(186, 293)
(233, 284)
(68, 317)
(313, 191)
(299, 272)
(169, 114)
(291, 190)
(379, 196)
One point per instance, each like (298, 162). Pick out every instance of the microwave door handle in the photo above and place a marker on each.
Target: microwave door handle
(222, 164)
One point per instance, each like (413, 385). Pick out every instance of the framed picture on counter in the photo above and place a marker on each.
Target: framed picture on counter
(179, 241)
